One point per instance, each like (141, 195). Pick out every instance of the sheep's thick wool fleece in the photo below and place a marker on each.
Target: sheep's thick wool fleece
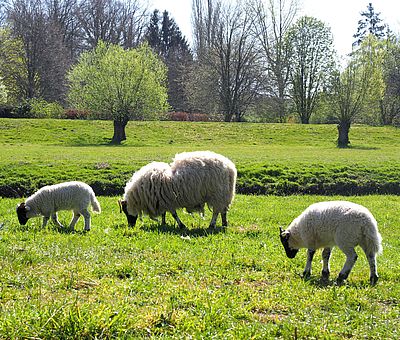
(192, 179)
(64, 196)
(203, 176)
(149, 191)
(335, 223)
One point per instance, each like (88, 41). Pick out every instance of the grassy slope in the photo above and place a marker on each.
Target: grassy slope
(271, 158)
(152, 281)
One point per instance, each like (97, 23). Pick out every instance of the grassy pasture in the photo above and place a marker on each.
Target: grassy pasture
(152, 281)
(271, 158)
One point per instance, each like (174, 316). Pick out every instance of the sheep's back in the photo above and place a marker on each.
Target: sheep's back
(203, 177)
(335, 222)
(63, 196)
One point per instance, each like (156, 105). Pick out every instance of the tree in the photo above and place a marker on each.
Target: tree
(228, 57)
(270, 25)
(311, 64)
(3, 93)
(117, 22)
(165, 38)
(12, 66)
(369, 24)
(119, 84)
(45, 55)
(349, 91)
(390, 103)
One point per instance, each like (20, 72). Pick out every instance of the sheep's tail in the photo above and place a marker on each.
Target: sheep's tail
(373, 240)
(95, 203)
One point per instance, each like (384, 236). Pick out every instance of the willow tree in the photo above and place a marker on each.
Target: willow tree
(118, 84)
(350, 88)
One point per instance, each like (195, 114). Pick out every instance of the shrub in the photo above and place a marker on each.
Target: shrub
(43, 109)
(75, 114)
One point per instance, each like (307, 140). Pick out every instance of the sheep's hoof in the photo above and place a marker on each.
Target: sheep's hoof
(306, 275)
(340, 279)
(325, 277)
(373, 280)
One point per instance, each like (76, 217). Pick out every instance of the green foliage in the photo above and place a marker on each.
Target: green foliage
(162, 282)
(271, 158)
(119, 84)
(3, 92)
(369, 58)
(13, 66)
(311, 64)
(43, 109)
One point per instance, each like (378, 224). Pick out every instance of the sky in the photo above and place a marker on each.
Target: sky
(340, 15)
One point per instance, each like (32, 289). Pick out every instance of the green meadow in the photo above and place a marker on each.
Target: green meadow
(278, 159)
(156, 281)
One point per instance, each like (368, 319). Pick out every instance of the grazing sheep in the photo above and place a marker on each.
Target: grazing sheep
(340, 223)
(75, 196)
(192, 180)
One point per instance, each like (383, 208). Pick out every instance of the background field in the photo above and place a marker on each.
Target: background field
(153, 281)
(271, 158)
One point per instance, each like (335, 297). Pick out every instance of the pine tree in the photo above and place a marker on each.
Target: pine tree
(166, 39)
(370, 23)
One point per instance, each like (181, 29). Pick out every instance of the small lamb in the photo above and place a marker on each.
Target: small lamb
(75, 196)
(340, 223)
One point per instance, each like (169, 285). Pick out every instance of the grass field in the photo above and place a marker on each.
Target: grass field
(161, 282)
(271, 158)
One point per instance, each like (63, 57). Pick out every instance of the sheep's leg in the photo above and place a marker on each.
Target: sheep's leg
(373, 278)
(224, 220)
(175, 216)
(163, 219)
(54, 217)
(326, 254)
(307, 269)
(74, 220)
(213, 220)
(351, 258)
(45, 220)
(86, 216)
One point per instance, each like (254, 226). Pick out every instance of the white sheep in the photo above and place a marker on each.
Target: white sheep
(340, 223)
(75, 196)
(192, 180)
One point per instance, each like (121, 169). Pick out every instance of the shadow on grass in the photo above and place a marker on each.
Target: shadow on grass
(191, 232)
(361, 147)
(321, 283)
(67, 230)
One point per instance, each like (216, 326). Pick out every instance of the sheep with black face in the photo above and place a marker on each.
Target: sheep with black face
(75, 196)
(336, 223)
(191, 181)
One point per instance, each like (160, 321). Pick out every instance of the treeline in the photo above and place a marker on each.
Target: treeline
(255, 60)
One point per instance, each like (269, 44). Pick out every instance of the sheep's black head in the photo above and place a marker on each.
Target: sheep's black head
(123, 208)
(285, 235)
(22, 212)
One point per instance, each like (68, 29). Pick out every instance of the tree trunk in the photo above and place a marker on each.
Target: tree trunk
(119, 131)
(343, 130)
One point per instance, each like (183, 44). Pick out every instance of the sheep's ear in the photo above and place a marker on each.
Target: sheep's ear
(121, 204)
(280, 230)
